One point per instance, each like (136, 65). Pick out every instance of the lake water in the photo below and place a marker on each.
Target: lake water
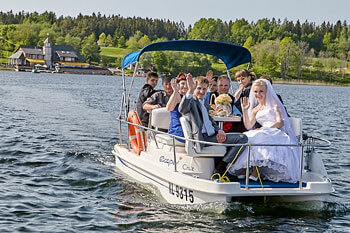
(57, 171)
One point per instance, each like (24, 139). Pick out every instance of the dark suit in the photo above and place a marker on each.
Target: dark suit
(191, 108)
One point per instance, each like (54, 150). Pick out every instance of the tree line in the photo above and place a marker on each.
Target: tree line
(279, 48)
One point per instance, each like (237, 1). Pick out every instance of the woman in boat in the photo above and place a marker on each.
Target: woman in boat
(180, 88)
(244, 79)
(275, 163)
(270, 80)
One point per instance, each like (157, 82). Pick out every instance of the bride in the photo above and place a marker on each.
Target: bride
(275, 163)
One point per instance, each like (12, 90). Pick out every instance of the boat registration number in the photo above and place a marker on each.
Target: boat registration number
(181, 192)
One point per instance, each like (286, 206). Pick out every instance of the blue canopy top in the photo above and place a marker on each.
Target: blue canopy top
(232, 55)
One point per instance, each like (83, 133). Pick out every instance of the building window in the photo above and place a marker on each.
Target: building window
(68, 59)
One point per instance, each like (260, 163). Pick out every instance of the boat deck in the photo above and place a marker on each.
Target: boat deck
(270, 184)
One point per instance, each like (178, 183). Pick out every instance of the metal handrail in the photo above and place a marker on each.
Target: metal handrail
(302, 145)
(224, 144)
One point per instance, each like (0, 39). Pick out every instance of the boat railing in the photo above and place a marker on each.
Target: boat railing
(309, 145)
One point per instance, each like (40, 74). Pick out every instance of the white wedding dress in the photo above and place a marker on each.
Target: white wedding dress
(275, 163)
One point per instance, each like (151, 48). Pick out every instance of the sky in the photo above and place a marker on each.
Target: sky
(190, 11)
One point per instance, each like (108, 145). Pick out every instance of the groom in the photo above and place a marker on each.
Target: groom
(204, 127)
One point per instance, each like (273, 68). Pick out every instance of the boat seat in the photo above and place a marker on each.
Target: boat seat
(167, 140)
(207, 151)
(160, 119)
(296, 125)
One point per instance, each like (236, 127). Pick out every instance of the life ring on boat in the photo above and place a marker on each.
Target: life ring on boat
(137, 136)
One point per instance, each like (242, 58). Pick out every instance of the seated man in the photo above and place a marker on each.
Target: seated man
(146, 91)
(204, 127)
(160, 98)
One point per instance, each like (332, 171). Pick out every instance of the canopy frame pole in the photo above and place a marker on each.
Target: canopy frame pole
(247, 169)
(122, 104)
(229, 78)
(131, 85)
(301, 167)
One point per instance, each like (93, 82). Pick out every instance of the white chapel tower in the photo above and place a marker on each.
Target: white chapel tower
(47, 50)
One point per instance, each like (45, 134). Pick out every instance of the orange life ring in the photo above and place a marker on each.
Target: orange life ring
(137, 136)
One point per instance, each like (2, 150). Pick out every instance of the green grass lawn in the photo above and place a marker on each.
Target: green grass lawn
(114, 52)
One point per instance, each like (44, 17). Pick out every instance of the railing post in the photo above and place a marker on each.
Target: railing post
(247, 170)
(301, 167)
(175, 165)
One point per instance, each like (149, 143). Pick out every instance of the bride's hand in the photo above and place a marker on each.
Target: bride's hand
(245, 103)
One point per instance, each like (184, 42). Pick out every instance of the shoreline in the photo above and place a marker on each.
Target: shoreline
(307, 82)
(275, 81)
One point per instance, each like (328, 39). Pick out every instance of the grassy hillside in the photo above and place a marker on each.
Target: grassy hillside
(112, 56)
(114, 52)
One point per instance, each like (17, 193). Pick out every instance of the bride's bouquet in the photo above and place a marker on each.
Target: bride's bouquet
(222, 105)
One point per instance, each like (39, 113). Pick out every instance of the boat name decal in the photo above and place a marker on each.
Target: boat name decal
(181, 192)
(187, 168)
(162, 159)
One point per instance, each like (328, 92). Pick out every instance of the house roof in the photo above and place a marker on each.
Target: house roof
(16, 55)
(66, 54)
(32, 50)
(57, 52)
(57, 48)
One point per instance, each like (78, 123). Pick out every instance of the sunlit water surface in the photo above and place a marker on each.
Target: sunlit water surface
(57, 171)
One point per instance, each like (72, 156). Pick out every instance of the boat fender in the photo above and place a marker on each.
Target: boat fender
(137, 136)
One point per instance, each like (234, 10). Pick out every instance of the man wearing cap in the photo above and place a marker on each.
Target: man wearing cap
(160, 98)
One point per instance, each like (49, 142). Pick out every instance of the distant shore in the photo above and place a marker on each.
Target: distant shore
(307, 82)
(275, 81)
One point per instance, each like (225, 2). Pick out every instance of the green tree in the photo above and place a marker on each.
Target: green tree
(109, 41)
(90, 50)
(160, 61)
(143, 41)
(146, 60)
(288, 56)
(73, 41)
(47, 32)
(240, 31)
(25, 34)
(265, 56)
(121, 42)
(327, 40)
(138, 35)
(344, 43)
(118, 61)
(207, 29)
(270, 64)
(102, 39)
(303, 50)
(60, 40)
(132, 43)
(249, 42)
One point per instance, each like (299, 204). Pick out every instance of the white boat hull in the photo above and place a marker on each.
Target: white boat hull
(185, 186)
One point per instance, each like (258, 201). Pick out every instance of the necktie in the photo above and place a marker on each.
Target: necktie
(206, 122)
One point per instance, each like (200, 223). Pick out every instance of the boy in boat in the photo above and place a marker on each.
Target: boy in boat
(146, 91)
(204, 127)
(160, 98)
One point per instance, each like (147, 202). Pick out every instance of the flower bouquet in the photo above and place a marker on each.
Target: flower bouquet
(222, 106)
